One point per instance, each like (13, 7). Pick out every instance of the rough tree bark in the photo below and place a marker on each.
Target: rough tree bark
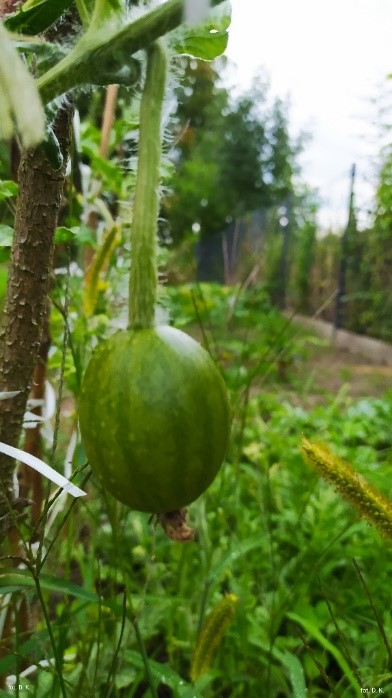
(29, 277)
(8, 6)
(31, 482)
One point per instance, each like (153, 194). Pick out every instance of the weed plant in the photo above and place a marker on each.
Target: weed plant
(307, 582)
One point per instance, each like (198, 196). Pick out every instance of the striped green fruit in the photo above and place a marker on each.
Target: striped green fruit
(154, 418)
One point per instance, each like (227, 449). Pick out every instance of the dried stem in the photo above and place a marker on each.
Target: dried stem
(109, 112)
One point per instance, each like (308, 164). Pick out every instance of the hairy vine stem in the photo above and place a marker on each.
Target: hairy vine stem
(143, 278)
(98, 46)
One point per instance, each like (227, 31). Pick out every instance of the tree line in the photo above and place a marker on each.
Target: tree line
(235, 155)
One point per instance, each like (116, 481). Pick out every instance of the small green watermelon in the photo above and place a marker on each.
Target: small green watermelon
(154, 418)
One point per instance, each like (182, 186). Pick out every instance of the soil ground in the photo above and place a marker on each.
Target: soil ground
(326, 370)
(320, 371)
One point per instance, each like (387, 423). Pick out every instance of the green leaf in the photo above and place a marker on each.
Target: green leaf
(37, 18)
(82, 234)
(20, 580)
(45, 54)
(327, 645)
(85, 235)
(64, 235)
(206, 45)
(6, 235)
(227, 561)
(28, 649)
(296, 674)
(164, 673)
(207, 41)
(110, 172)
(8, 188)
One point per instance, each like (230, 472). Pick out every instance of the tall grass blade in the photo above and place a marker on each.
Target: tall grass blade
(310, 628)
(296, 674)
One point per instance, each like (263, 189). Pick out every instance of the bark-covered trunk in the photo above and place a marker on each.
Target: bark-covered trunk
(31, 482)
(29, 277)
(8, 6)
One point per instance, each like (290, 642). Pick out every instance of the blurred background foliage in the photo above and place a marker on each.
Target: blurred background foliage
(240, 241)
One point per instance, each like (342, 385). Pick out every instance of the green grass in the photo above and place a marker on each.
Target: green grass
(313, 618)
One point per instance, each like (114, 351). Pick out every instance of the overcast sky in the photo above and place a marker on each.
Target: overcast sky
(332, 59)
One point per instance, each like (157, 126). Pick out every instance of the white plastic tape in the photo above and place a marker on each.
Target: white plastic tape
(6, 394)
(41, 467)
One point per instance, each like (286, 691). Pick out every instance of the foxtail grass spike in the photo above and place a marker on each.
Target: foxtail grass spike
(211, 635)
(369, 503)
